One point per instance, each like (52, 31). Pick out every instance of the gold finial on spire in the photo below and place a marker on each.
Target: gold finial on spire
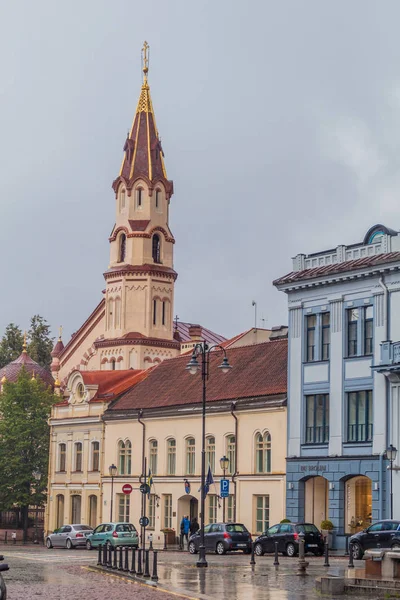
(3, 380)
(33, 378)
(24, 344)
(145, 61)
(60, 332)
(57, 383)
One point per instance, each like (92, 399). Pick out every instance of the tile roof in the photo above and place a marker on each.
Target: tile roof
(258, 370)
(206, 334)
(13, 369)
(112, 383)
(138, 224)
(342, 267)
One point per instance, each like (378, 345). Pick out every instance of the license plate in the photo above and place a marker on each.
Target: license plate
(126, 535)
(312, 545)
(241, 545)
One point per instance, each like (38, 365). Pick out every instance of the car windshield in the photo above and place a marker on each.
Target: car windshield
(307, 528)
(236, 528)
(127, 527)
(82, 528)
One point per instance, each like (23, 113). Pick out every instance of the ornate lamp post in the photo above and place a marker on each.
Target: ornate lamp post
(224, 464)
(391, 454)
(113, 471)
(203, 350)
(37, 475)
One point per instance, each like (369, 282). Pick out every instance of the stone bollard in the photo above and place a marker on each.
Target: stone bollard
(276, 561)
(100, 548)
(115, 558)
(351, 557)
(104, 561)
(5, 537)
(151, 541)
(121, 560)
(165, 541)
(14, 537)
(302, 564)
(181, 542)
(146, 565)
(154, 577)
(252, 559)
(326, 552)
(126, 565)
(139, 563)
(133, 563)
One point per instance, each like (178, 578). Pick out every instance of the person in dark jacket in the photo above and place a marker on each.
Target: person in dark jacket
(194, 526)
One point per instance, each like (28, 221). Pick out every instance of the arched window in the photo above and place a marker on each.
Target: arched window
(139, 197)
(190, 456)
(231, 453)
(163, 313)
(59, 510)
(62, 455)
(122, 248)
(78, 459)
(112, 364)
(92, 511)
(156, 248)
(155, 312)
(76, 502)
(171, 457)
(263, 453)
(210, 453)
(110, 312)
(124, 457)
(122, 200)
(117, 313)
(158, 199)
(153, 456)
(95, 456)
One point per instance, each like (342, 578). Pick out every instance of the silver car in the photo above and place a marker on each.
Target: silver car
(68, 536)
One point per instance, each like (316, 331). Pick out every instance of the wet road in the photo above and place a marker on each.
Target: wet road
(62, 574)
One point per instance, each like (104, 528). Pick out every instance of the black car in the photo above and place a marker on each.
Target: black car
(222, 538)
(383, 534)
(287, 536)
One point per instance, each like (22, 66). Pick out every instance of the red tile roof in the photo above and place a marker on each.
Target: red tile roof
(258, 370)
(112, 383)
(342, 267)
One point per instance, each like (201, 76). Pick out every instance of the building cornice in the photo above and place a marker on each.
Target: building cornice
(132, 341)
(132, 270)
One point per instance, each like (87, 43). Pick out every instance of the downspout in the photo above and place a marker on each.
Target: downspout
(142, 478)
(102, 466)
(233, 407)
(387, 390)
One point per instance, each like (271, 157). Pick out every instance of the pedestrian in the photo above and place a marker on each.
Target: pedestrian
(194, 526)
(185, 525)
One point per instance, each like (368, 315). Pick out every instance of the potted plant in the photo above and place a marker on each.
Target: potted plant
(285, 521)
(326, 529)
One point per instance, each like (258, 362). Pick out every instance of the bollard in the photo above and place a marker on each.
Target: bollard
(252, 559)
(126, 565)
(109, 561)
(104, 561)
(14, 537)
(181, 542)
(151, 541)
(99, 554)
(5, 537)
(165, 541)
(302, 564)
(154, 577)
(276, 561)
(326, 552)
(133, 564)
(121, 560)
(114, 558)
(139, 563)
(146, 565)
(351, 557)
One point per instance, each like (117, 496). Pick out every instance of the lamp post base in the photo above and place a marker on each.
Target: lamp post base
(201, 563)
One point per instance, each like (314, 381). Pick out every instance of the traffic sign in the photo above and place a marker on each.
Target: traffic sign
(127, 488)
(224, 488)
(144, 488)
(144, 521)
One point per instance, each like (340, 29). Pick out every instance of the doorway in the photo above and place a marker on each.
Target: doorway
(316, 500)
(358, 507)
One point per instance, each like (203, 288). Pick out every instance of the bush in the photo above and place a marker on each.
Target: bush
(327, 525)
(285, 521)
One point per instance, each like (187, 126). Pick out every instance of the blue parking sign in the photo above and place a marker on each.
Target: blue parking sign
(224, 488)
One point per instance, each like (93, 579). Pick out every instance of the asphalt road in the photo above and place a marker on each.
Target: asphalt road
(59, 574)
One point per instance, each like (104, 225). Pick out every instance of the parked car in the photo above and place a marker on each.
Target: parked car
(287, 536)
(68, 536)
(115, 534)
(222, 538)
(383, 534)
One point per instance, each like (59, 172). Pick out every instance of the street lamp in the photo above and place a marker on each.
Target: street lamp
(391, 454)
(37, 475)
(224, 464)
(203, 350)
(113, 471)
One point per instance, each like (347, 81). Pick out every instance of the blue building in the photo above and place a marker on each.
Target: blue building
(343, 395)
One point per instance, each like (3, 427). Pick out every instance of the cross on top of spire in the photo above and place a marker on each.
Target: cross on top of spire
(145, 60)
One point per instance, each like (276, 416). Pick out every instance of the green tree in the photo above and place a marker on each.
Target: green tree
(24, 443)
(11, 344)
(40, 343)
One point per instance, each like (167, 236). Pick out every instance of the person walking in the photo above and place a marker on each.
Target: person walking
(185, 526)
(194, 526)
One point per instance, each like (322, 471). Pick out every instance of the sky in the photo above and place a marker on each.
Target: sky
(280, 123)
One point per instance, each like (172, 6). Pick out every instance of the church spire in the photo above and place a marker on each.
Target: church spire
(144, 156)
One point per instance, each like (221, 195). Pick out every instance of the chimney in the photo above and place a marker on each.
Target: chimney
(195, 332)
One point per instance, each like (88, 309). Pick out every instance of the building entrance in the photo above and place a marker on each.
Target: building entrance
(316, 500)
(358, 503)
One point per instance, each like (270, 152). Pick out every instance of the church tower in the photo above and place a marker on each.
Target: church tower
(139, 295)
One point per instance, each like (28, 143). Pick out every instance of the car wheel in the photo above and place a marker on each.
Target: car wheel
(89, 545)
(258, 550)
(192, 548)
(220, 549)
(291, 550)
(357, 551)
(48, 543)
(69, 544)
(396, 546)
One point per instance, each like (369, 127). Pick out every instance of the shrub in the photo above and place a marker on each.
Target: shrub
(285, 521)
(327, 525)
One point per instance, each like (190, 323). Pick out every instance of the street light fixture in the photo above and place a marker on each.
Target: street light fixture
(113, 471)
(37, 475)
(391, 454)
(224, 464)
(203, 350)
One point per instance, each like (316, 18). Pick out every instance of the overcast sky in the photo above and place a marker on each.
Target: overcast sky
(280, 123)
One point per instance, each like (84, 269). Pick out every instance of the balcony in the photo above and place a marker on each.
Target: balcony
(390, 361)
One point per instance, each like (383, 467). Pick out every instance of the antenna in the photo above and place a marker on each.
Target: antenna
(254, 303)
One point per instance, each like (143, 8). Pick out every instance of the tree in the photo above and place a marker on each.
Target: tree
(11, 344)
(25, 407)
(40, 343)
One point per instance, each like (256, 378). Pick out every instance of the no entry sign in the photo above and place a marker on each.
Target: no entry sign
(127, 488)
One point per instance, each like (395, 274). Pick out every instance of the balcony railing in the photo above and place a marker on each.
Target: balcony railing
(390, 353)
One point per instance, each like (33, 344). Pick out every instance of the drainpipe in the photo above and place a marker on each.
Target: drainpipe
(381, 456)
(142, 478)
(387, 390)
(233, 407)
(386, 311)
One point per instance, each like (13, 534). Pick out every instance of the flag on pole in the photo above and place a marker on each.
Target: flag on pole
(209, 481)
(149, 482)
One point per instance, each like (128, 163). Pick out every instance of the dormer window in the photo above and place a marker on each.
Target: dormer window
(122, 248)
(139, 197)
(156, 248)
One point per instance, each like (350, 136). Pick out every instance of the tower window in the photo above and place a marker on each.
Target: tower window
(122, 200)
(139, 197)
(112, 364)
(158, 198)
(154, 312)
(122, 248)
(163, 312)
(156, 248)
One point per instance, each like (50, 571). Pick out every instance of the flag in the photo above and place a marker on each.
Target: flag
(209, 481)
(149, 482)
